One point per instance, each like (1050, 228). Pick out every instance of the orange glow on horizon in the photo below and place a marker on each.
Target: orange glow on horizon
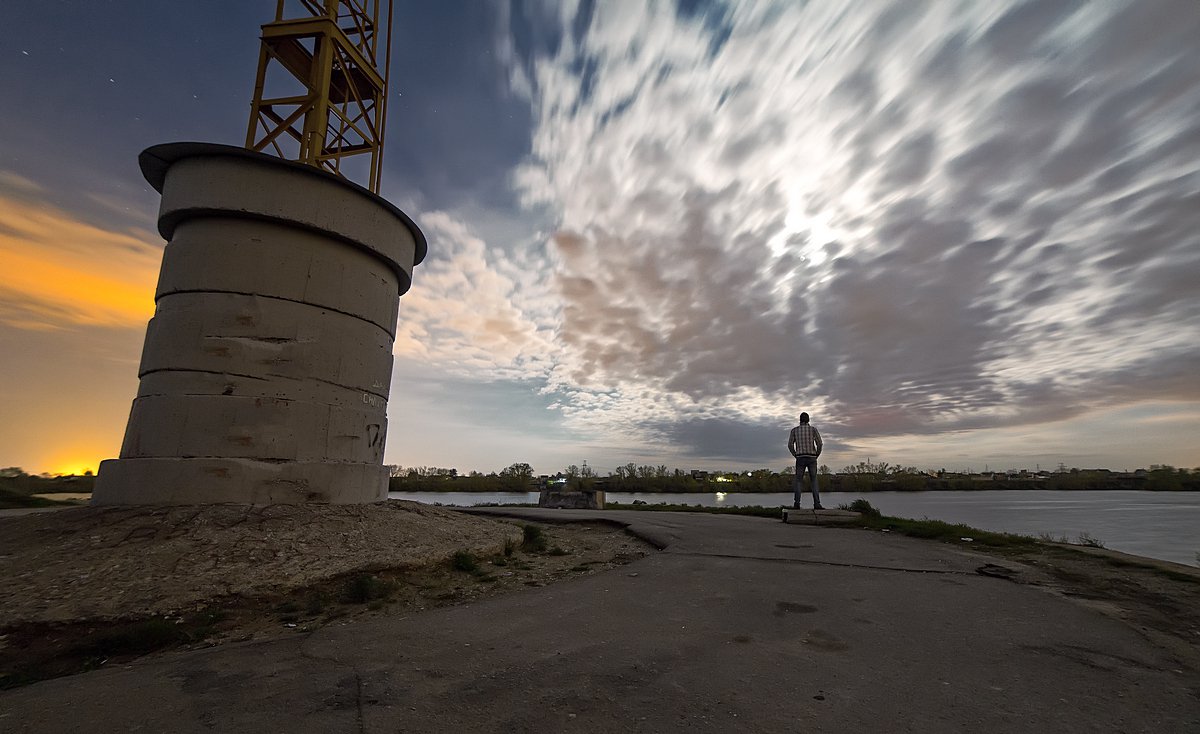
(58, 271)
(66, 390)
(76, 469)
(72, 460)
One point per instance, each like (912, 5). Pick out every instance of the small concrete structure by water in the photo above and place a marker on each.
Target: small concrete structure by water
(266, 369)
(584, 499)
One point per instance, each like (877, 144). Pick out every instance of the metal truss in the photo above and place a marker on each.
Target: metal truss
(320, 96)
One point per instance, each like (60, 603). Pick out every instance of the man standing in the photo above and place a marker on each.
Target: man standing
(805, 444)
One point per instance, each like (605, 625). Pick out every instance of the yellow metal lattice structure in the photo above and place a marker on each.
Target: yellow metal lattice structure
(320, 96)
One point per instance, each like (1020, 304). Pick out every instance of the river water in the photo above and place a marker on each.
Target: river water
(1163, 525)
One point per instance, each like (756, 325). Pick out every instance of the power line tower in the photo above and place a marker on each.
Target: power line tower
(320, 96)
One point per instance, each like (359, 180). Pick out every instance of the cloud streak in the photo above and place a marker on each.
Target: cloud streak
(57, 271)
(919, 219)
(940, 227)
(479, 312)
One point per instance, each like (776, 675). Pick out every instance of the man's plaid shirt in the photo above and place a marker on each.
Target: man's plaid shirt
(805, 441)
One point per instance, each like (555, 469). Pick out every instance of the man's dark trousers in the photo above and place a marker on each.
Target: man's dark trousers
(808, 463)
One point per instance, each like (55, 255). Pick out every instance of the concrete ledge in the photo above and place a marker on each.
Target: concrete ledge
(175, 481)
(272, 259)
(254, 428)
(255, 336)
(809, 516)
(197, 383)
(354, 215)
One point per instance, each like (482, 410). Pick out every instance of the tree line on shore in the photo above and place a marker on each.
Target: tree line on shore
(861, 477)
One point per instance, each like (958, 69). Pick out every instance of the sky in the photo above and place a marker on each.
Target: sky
(958, 234)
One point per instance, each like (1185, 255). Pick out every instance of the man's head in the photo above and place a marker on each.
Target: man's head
(804, 417)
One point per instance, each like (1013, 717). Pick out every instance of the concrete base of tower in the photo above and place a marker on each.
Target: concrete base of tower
(266, 370)
(181, 481)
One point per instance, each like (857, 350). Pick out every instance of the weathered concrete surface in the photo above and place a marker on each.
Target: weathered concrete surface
(267, 366)
(580, 500)
(741, 624)
(809, 516)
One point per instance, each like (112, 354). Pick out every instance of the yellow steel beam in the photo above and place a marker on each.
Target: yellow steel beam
(331, 50)
(319, 28)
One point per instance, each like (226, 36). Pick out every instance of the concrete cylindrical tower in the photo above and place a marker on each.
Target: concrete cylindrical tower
(267, 364)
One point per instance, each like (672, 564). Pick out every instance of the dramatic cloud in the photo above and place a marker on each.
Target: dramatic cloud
(954, 231)
(917, 219)
(478, 313)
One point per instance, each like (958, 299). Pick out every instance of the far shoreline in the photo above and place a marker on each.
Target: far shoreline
(735, 490)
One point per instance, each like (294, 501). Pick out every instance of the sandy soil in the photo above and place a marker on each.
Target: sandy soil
(82, 586)
(117, 562)
(80, 497)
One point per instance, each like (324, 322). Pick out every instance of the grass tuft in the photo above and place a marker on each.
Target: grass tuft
(464, 561)
(534, 539)
(315, 604)
(948, 532)
(364, 587)
(863, 508)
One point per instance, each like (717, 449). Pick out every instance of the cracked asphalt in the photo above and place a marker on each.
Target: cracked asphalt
(737, 624)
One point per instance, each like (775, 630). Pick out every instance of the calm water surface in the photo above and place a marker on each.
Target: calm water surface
(1162, 525)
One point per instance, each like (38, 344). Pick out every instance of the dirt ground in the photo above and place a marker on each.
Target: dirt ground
(1159, 599)
(85, 587)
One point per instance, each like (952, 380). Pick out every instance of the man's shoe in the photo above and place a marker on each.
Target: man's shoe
(818, 507)
(795, 505)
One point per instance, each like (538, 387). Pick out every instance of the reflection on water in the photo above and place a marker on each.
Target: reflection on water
(1162, 525)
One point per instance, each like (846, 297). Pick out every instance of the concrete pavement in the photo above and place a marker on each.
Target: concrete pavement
(738, 624)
